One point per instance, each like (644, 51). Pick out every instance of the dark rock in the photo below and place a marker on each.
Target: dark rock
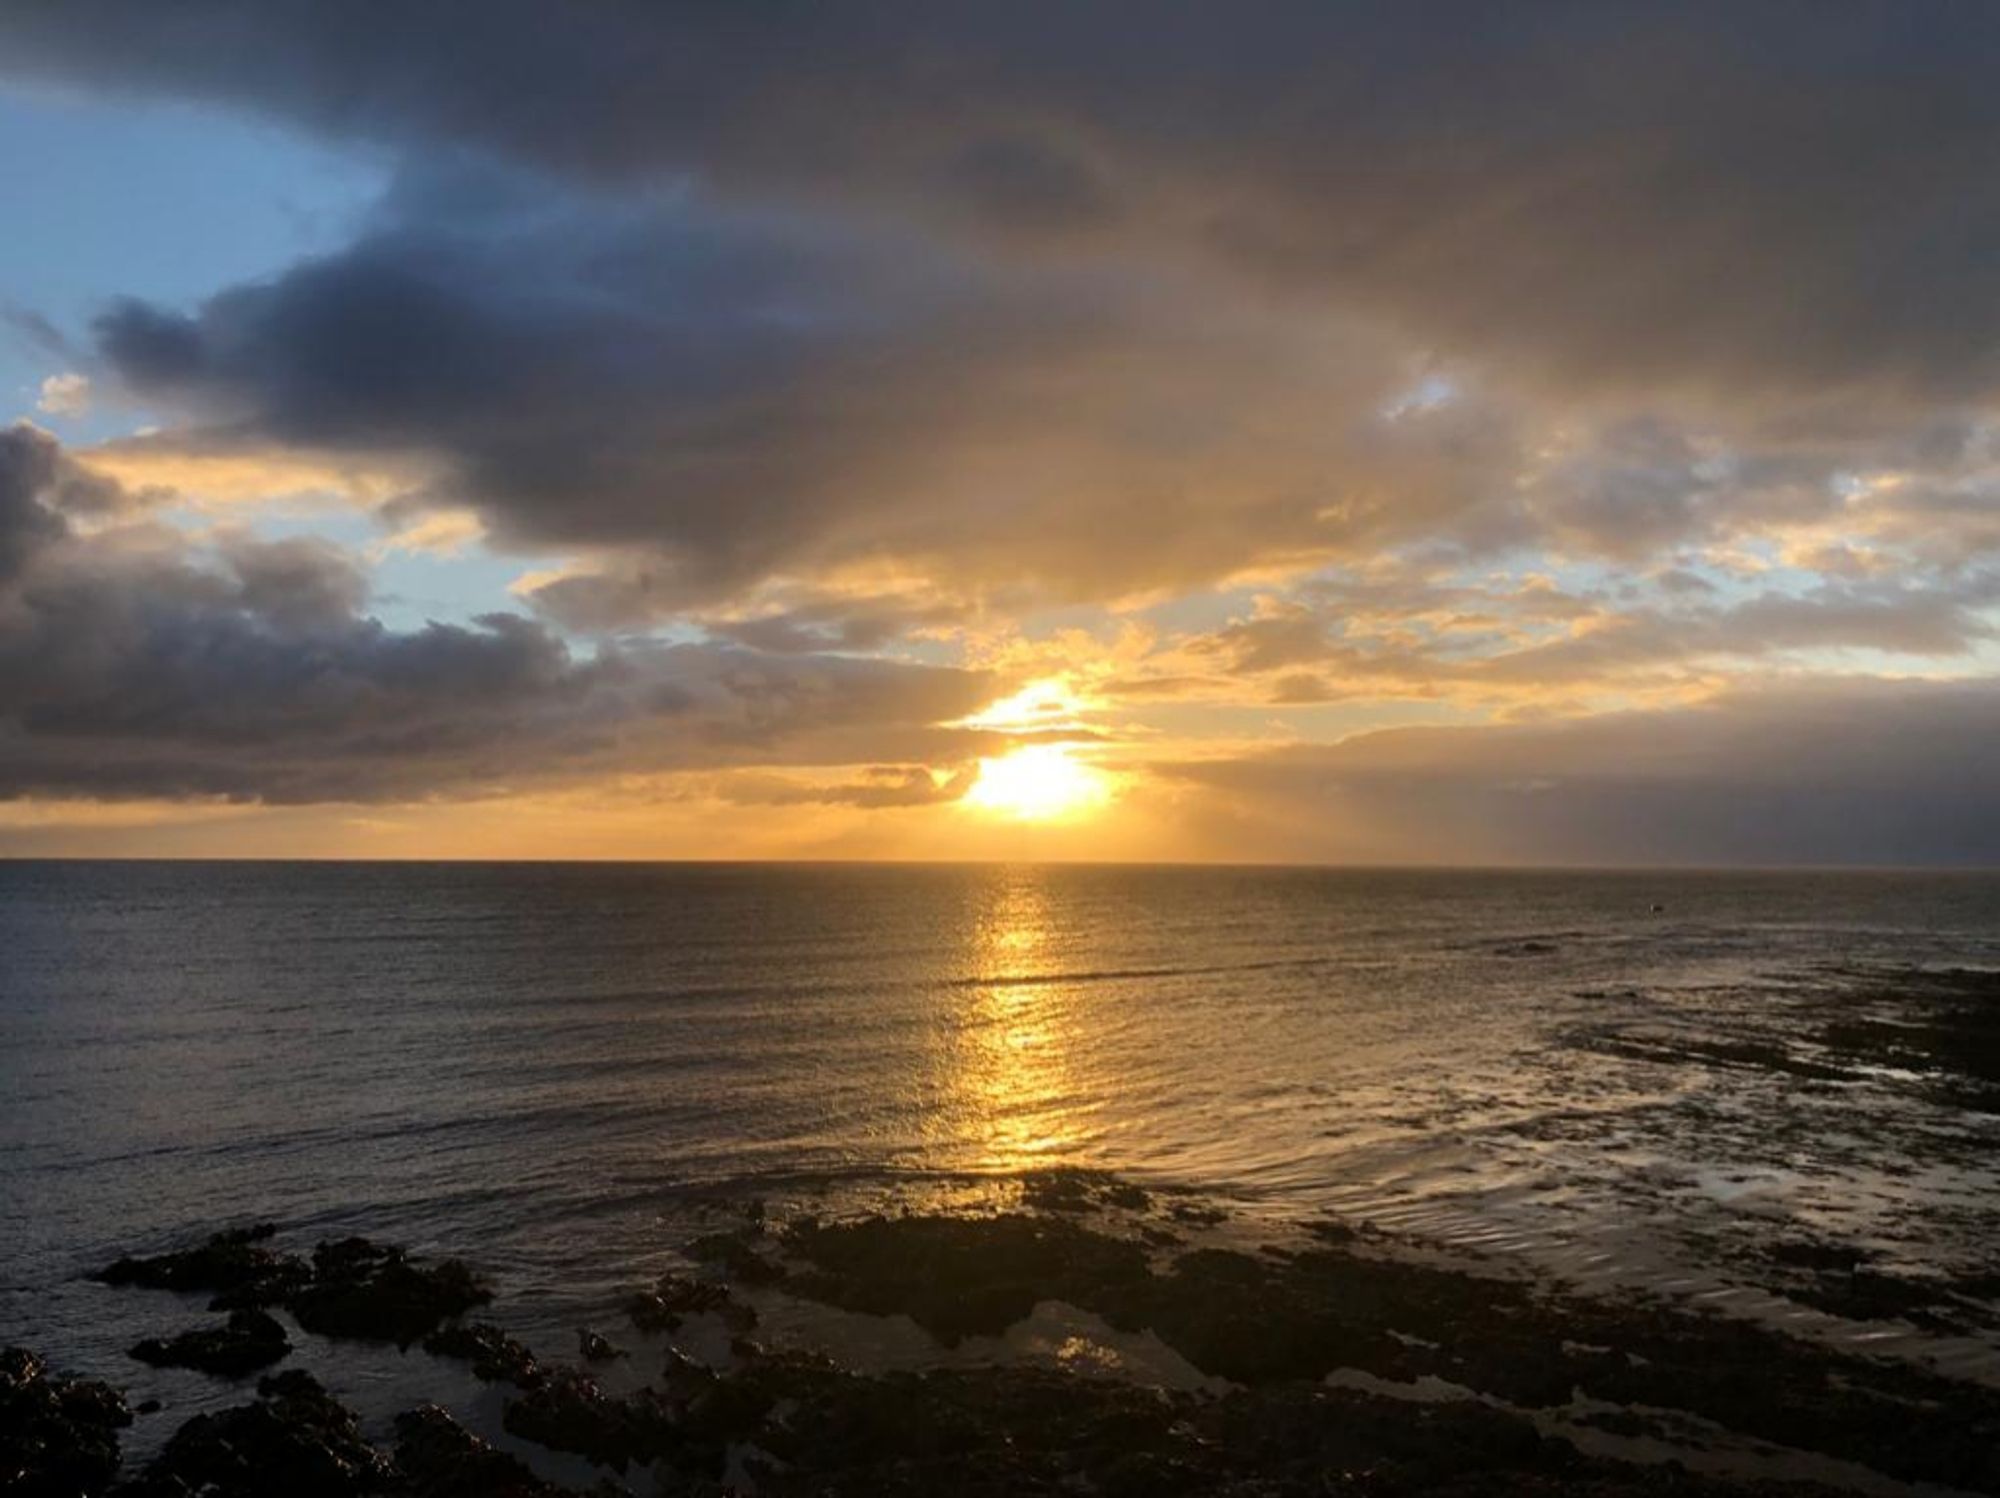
(737, 1257)
(58, 1436)
(235, 1266)
(1332, 1230)
(672, 1299)
(296, 1439)
(595, 1347)
(960, 1277)
(495, 1357)
(249, 1340)
(567, 1411)
(682, 1376)
(148, 1406)
(1071, 1189)
(439, 1458)
(375, 1293)
(352, 1288)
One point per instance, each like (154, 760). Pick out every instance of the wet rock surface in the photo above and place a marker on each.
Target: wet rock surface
(495, 1357)
(295, 1433)
(248, 1341)
(568, 1411)
(374, 1293)
(1068, 1189)
(236, 1266)
(351, 1288)
(672, 1300)
(58, 1436)
(737, 1254)
(439, 1458)
(1944, 1026)
(960, 1277)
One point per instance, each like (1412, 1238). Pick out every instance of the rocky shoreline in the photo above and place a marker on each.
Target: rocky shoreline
(1337, 1362)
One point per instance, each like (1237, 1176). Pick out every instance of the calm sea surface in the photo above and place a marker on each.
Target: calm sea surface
(557, 1070)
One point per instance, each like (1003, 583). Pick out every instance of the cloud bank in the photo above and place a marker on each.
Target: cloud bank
(1587, 376)
(134, 664)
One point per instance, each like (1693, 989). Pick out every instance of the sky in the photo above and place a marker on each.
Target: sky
(1273, 431)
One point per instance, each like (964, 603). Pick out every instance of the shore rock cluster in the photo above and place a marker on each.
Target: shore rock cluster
(351, 1288)
(58, 1436)
(1274, 1323)
(249, 1340)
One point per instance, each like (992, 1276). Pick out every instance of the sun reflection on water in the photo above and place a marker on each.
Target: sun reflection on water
(1018, 1030)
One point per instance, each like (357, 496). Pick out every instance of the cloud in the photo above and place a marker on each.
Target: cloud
(1513, 359)
(1062, 309)
(136, 663)
(1510, 643)
(1594, 190)
(881, 787)
(1831, 772)
(65, 395)
(694, 401)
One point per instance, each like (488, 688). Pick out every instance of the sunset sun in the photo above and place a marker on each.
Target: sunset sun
(1041, 783)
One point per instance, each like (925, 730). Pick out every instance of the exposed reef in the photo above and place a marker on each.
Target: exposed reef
(1338, 1364)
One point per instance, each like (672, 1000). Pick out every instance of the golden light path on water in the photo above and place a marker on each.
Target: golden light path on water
(1014, 1051)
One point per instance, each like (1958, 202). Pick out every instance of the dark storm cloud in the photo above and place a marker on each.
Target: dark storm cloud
(1858, 771)
(30, 464)
(1781, 194)
(703, 297)
(133, 664)
(699, 401)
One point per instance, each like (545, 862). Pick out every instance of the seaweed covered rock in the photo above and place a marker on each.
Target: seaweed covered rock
(249, 1340)
(296, 1439)
(58, 1436)
(495, 1357)
(236, 1266)
(376, 1293)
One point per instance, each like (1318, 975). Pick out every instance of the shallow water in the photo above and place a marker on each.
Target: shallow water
(558, 1070)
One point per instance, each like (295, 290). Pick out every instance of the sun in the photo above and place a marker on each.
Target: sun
(1041, 783)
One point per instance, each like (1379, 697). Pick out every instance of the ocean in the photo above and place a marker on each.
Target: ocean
(559, 1072)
